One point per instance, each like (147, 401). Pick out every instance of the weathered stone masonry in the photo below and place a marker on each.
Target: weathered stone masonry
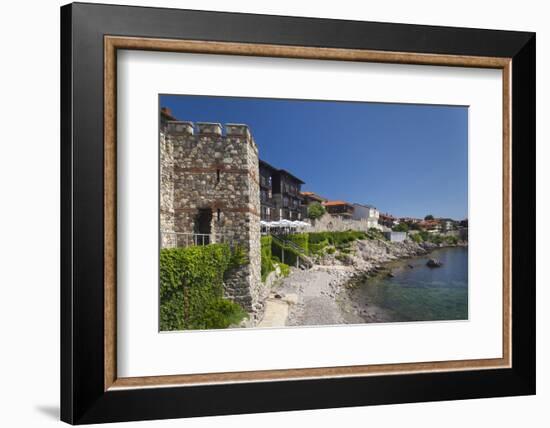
(209, 189)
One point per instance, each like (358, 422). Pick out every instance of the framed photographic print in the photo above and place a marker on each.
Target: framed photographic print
(265, 213)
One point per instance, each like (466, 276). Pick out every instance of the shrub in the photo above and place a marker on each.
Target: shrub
(285, 269)
(342, 258)
(333, 238)
(319, 240)
(416, 237)
(300, 239)
(315, 210)
(451, 240)
(191, 287)
(344, 249)
(337, 238)
(426, 236)
(318, 248)
(437, 239)
(374, 233)
(223, 313)
(317, 237)
(359, 234)
(266, 257)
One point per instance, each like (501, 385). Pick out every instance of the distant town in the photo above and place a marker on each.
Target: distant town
(282, 198)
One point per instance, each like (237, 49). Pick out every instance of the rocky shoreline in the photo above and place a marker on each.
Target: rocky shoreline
(321, 295)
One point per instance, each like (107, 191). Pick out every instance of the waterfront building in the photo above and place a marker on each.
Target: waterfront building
(388, 220)
(367, 213)
(431, 226)
(286, 196)
(447, 224)
(339, 209)
(280, 194)
(409, 220)
(267, 205)
(311, 197)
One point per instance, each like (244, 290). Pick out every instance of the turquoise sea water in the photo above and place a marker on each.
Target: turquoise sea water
(420, 293)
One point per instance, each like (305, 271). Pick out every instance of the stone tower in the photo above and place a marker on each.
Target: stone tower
(209, 193)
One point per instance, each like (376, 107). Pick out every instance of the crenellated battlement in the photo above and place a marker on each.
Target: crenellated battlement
(178, 127)
(237, 129)
(209, 128)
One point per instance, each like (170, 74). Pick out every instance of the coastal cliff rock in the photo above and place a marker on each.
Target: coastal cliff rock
(368, 255)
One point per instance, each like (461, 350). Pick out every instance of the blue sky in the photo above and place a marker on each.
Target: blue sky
(406, 159)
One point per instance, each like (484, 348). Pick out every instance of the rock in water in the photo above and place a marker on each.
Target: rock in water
(433, 263)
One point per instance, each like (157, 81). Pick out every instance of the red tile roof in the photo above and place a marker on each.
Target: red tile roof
(313, 195)
(335, 203)
(429, 223)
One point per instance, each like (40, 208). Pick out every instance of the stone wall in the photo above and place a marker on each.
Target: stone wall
(337, 224)
(212, 169)
(166, 193)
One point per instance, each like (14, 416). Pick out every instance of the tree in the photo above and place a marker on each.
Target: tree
(429, 217)
(315, 210)
(401, 227)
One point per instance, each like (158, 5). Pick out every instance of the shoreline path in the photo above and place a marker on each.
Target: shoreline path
(308, 298)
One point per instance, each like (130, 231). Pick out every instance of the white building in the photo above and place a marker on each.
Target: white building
(447, 225)
(368, 213)
(395, 236)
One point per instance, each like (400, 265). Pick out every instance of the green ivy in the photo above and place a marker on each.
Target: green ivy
(291, 256)
(300, 239)
(239, 257)
(191, 288)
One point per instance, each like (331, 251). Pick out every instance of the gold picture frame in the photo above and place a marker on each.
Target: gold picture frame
(114, 43)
